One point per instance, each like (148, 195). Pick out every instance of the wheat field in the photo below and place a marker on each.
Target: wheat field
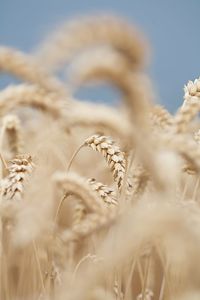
(97, 202)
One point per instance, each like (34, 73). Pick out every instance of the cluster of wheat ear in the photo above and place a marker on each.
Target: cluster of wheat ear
(121, 222)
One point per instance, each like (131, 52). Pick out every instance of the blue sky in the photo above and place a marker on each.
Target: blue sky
(171, 27)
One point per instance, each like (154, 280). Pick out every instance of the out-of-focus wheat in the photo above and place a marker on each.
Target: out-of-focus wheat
(100, 118)
(74, 184)
(24, 66)
(190, 107)
(75, 235)
(11, 128)
(25, 95)
(105, 64)
(76, 35)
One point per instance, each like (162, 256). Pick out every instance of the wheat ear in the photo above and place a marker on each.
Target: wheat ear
(12, 187)
(190, 107)
(24, 67)
(112, 153)
(197, 136)
(29, 95)
(74, 36)
(11, 128)
(160, 117)
(188, 149)
(79, 212)
(138, 181)
(73, 184)
(147, 295)
(93, 223)
(107, 194)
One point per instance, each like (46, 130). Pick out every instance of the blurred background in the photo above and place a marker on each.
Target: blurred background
(171, 27)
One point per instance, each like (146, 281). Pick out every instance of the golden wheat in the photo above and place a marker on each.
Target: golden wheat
(24, 66)
(25, 95)
(190, 106)
(75, 235)
(106, 30)
(13, 185)
(107, 194)
(11, 128)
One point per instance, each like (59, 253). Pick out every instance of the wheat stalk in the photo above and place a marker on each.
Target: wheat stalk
(105, 64)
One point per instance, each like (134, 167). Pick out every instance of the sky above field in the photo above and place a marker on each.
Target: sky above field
(171, 27)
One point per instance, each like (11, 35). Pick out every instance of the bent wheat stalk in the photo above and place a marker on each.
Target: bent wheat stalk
(105, 64)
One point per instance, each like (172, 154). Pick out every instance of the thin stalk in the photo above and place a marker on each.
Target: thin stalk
(130, 279)
(162, 289)
(39, 266)
(196, 188)
(59, 206)
(164, 265)
(83, 259)
(73, 156)
(184, 191)
(146, 273)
